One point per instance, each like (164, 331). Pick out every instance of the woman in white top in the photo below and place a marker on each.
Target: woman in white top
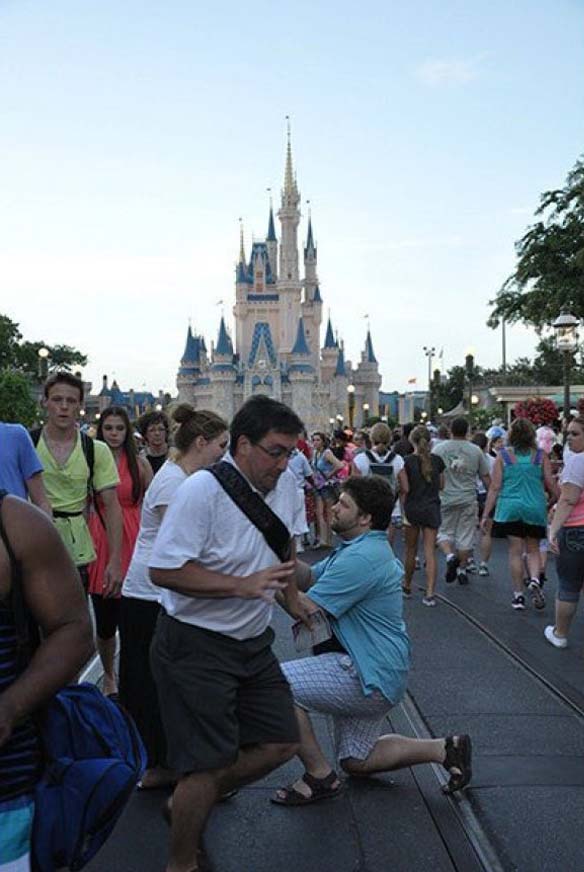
(381, 460)
(201, 440)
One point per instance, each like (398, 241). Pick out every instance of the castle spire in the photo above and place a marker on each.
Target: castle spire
(271, 237)
(224, 345)
(289, 180)
(369, 354)
(241, 246)
(329, 341)
(301, 345)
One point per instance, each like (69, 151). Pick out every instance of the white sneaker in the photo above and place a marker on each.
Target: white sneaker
(483, 569)
(556, 641)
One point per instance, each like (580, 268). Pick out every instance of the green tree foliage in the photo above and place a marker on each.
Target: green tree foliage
(17, 405)
(549, 274)
(23, 356)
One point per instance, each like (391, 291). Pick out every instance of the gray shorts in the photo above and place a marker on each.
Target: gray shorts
(329, 684)
(459, 525)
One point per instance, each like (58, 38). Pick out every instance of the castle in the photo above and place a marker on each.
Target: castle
(278, 317)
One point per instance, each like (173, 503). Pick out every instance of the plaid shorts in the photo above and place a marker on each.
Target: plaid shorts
(15, 833)
(329, 684)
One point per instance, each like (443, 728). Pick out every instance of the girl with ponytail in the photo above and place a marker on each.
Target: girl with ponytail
(425, 472)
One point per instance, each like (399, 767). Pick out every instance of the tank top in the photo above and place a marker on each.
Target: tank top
(522, 496)
(20, 757)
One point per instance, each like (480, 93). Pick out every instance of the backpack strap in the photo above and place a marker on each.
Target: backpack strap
(35, 435)
(370, 457)
(254, 508)
(537, 458)
(390, 457)
(508, 459)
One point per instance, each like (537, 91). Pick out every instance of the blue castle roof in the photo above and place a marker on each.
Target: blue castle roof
(301, 345)
(317, 297)
(244, 272)
(271, 237)
(369, 349)
(340, 370)
(329, 341)
(224, 346)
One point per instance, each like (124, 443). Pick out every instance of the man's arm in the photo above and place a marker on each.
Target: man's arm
(37, 493)
(112, 581)
(194, 580)
(54, 596)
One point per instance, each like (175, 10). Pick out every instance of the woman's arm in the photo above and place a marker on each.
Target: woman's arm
(569, 496)
(494, 488)
(549, 481)
(336, 464)
(403, 483)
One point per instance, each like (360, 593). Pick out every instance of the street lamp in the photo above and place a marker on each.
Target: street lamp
(331, 424)
(566, 327)
(365, 414)
(429, 351)
(469, 370)
(351, 397)
(43, 355)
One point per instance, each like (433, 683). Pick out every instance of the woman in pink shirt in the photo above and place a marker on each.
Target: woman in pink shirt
(567, 536)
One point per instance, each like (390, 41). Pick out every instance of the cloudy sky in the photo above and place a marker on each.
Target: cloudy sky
(135, 134)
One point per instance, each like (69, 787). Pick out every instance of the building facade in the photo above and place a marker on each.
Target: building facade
(277, 349)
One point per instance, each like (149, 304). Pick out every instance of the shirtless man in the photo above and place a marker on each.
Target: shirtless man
(52, 594)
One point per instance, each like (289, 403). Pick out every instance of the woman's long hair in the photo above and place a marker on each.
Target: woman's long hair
(420, 439)
(128, 447)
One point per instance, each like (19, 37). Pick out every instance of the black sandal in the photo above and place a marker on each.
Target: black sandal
(320, 788)
(459, 757)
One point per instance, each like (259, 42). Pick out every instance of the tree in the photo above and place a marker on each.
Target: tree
(549, 274)
(23, 356)
(17, 405)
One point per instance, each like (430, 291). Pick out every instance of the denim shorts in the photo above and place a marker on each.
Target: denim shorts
(570, 563)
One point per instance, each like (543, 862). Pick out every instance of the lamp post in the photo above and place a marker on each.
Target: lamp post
(429, 351)
(469, 370)
(566, 327)
(351, 398)
(365, 414)
(332, 424)
(43, 356)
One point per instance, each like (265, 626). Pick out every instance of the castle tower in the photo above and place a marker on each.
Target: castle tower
(367, 382)
(312, 302)
(272, 244)
(289, 284)
(222, 374)
(301, 371)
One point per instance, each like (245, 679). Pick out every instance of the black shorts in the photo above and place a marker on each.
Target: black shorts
(217, 695)
(502, 529)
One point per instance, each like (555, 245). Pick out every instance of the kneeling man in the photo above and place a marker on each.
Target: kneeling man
(358, 586)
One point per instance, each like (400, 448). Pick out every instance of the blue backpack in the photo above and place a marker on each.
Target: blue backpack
(94, 757)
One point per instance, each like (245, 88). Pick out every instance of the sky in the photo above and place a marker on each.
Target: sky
(134, 135)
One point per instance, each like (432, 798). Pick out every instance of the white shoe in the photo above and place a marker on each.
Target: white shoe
(483, 569)
(556, 641)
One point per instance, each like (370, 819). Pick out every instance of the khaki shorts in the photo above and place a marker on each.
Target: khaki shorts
(458, 525)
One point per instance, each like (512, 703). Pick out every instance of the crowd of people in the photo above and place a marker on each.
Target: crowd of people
(185, 534)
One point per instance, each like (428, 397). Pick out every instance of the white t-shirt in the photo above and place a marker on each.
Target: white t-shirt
(204, 525)
(363, 463)
(162, 488)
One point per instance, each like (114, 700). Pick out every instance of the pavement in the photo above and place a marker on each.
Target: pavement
(478, 667)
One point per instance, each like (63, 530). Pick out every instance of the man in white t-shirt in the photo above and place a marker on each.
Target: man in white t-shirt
(226, 706)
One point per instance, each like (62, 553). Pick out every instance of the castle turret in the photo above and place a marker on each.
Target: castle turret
(367, 381)
(289, 284)
(272, 244)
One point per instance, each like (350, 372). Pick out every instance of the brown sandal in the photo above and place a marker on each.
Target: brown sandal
(321, 788)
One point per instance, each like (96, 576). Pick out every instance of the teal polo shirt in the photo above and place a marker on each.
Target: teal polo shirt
(359, 585)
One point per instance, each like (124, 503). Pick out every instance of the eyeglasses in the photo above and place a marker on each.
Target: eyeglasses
(277, 452)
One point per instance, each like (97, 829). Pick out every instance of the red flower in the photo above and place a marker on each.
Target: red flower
(538, 410)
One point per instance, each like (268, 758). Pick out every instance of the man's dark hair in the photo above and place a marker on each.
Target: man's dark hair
(459, 427)
(258, 416)
(479, 438)
(150, 418)
(65, 378)
(373, 496)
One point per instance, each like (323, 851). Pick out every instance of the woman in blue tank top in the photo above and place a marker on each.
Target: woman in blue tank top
(521, 476)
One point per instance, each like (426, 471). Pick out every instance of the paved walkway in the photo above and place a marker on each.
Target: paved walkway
(523, 811)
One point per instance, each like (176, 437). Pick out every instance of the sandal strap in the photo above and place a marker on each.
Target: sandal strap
(320, 785)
